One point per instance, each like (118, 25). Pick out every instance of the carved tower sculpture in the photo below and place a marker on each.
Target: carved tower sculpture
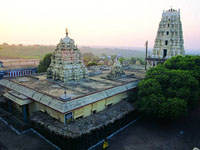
(66, 63)
(169, 40)
(116, 70)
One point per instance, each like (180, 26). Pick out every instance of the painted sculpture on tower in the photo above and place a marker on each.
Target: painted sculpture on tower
(116, 70)
(66, 63)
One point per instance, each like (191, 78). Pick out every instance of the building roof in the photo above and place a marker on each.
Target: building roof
(48, 92)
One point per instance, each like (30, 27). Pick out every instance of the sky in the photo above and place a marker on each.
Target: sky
(124, 23)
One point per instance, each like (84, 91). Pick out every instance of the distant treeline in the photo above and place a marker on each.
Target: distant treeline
(126, 53)
(39, 51)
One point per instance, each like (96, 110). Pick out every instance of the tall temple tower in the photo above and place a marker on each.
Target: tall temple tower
(66, 63)
(169, 40)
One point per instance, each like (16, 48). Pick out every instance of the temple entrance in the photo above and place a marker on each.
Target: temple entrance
(164, 53)
(68, 117)
(25, 111)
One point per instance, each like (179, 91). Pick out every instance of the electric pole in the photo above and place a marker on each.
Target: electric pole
(146, 44)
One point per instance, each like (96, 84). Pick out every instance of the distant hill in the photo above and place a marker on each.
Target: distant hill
(24, 51)
(192, 52)
(38, 51)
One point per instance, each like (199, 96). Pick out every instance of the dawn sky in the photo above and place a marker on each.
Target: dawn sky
(127, 23)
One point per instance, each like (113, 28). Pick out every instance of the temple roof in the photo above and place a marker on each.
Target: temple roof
(67, 40)
(48, 92)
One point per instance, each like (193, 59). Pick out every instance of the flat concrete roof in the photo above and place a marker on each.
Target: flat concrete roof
(48, 92)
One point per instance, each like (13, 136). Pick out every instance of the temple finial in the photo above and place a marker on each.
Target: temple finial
(66, 31)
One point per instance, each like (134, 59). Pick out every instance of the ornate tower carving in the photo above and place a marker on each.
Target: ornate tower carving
(66, 63)
(116, 70)
(169, 39)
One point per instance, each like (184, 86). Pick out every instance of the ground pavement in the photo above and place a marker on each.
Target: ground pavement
(152, 134)
(10, 140)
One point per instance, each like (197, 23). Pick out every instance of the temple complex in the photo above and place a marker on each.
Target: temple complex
(169, 40)
(66, 63)
(63, 93)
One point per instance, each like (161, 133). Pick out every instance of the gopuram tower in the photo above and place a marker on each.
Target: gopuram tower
(66, 63)
(169, 40)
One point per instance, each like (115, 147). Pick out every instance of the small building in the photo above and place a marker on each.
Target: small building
(1, 64)
(16, 72)
(1, 74)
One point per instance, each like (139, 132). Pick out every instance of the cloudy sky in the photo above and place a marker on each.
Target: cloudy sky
(127, 23)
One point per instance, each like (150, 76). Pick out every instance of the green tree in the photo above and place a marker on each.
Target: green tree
(173, 108)
(171, 89)
(91, 63)
(142, 61)
(191, 63)
(87, 57)
(121, 59)
(44, 63)
(133, 60)
(104, 56)
(113, 57)
(149, 96)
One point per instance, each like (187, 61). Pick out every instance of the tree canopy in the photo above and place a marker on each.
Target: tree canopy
(91, 63)
(171, 89)
(134, 60)
(90, 59)
(44, 63)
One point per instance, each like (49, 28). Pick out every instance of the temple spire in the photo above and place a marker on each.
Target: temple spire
(66, 63)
